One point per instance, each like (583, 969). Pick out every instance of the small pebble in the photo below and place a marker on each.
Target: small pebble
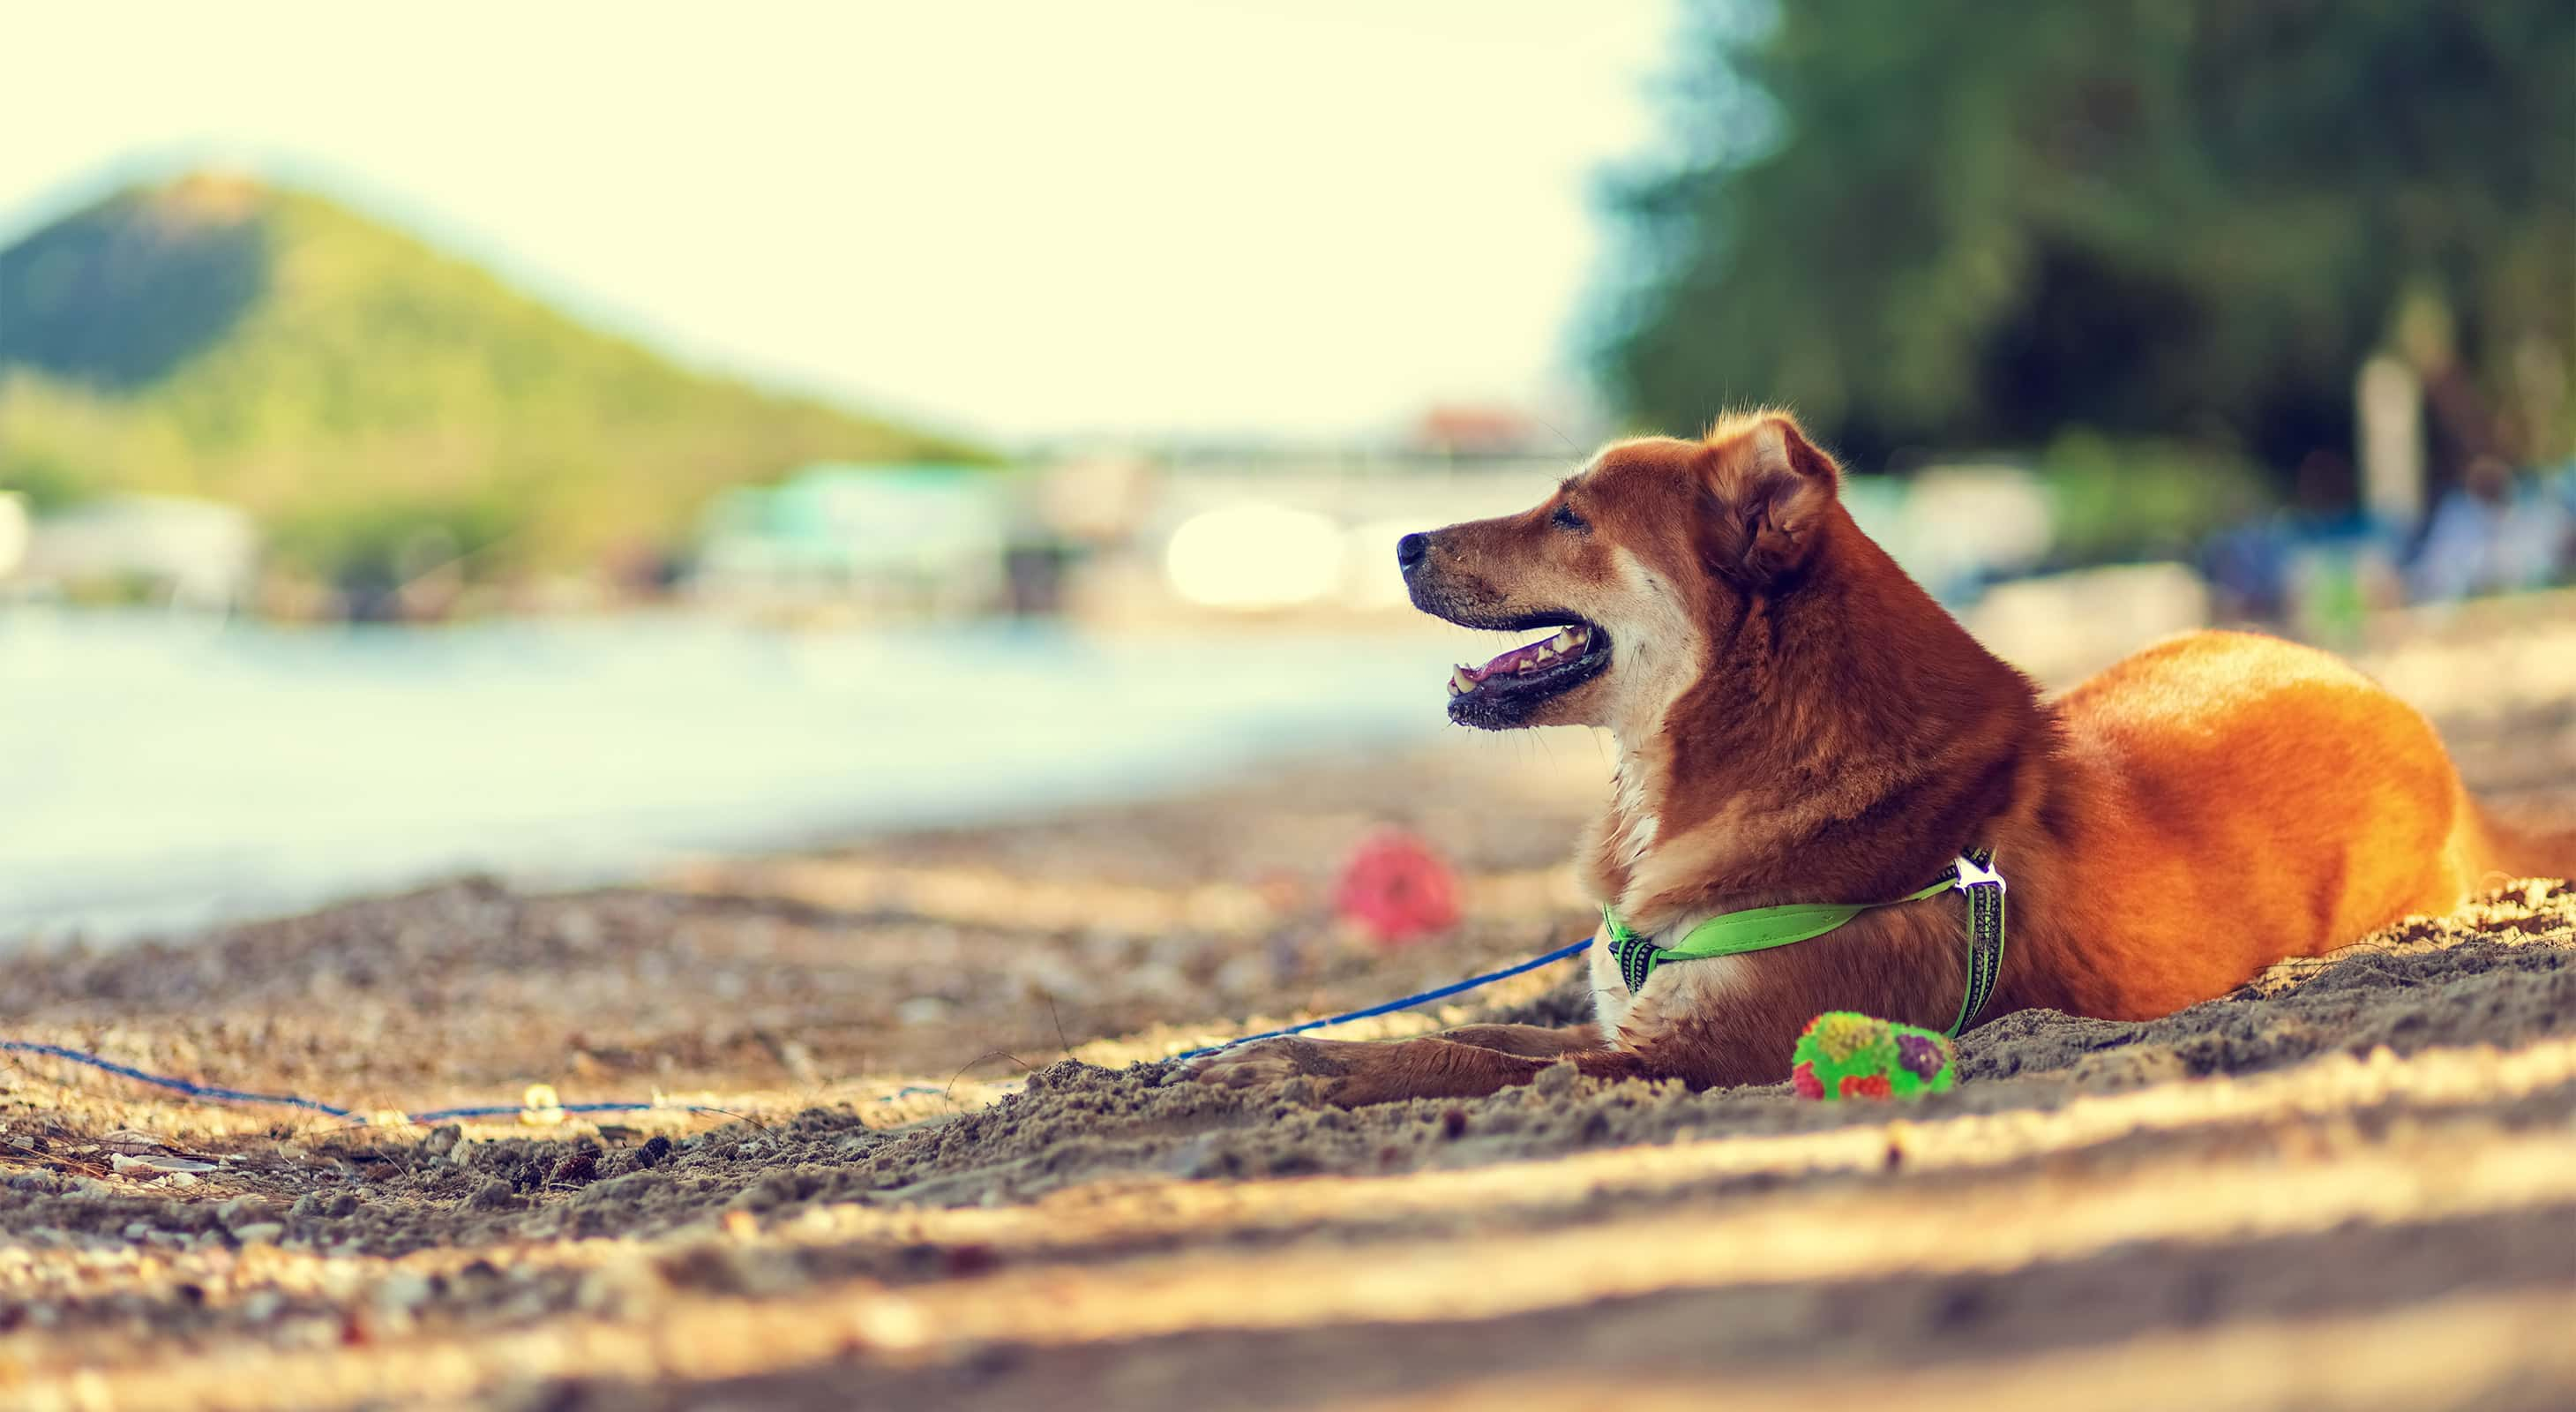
(242, 1210)
(402, 1290)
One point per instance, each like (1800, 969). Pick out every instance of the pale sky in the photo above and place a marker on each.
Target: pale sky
(1303, 218)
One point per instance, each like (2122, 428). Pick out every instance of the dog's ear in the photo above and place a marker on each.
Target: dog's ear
(1769, 491)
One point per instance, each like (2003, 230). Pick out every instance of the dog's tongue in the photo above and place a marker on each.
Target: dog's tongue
(1530, 657)
(1523, 659)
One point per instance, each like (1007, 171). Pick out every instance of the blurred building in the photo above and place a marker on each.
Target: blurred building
(14, 532)
(902, 539)
(167, 549)
(1957, 527)
(1465, 431)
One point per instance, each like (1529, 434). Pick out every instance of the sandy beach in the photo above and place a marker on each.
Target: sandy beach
(947, 1170)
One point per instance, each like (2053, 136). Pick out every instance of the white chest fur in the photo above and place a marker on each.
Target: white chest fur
(1632, 826)
(1675, 989)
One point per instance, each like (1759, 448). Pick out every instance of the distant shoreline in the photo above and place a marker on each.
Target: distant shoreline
(170, 778)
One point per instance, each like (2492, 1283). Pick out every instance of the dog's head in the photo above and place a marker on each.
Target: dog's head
(1636, 565)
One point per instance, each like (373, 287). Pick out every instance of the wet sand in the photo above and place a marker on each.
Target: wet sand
(956, 1177)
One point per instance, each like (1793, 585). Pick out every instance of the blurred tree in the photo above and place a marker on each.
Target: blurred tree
(1953, 222)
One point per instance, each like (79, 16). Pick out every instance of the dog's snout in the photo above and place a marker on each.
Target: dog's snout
(1411, 550)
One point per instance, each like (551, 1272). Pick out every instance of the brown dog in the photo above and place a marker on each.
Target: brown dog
(1798, 721)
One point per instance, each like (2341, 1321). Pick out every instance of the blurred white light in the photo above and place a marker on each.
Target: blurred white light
(1255, 556)
(13, 531)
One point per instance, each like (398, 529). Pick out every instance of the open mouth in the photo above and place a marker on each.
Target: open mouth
(1502, 689)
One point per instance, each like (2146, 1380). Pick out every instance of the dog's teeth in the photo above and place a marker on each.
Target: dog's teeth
(1460, 683)
(1564, 641)
(1545, 651)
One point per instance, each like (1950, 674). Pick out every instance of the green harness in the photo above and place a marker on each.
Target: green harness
(1762, 928)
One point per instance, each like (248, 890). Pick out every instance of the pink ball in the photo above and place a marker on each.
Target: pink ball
(1397, 889)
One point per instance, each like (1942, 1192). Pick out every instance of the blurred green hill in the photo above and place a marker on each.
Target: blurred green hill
(354, 388)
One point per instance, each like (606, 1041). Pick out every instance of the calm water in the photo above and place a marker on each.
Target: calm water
(159, 774)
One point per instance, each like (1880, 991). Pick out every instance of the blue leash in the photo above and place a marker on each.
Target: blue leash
(221, 1094)
(193, 1090)
(1562, 953)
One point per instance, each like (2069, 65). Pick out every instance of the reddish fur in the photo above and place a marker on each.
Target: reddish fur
(2212, 804)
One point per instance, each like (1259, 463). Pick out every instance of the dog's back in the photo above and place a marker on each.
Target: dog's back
(2255, 799)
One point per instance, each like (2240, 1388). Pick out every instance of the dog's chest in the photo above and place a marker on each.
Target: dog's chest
(1633, 826)
(1625, 832)
(1676, 989)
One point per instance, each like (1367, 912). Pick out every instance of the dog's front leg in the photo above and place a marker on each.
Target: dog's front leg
(1528, 1041)
(1387, 1071)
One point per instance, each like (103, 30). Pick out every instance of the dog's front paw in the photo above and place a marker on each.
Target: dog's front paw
(1267, 1061)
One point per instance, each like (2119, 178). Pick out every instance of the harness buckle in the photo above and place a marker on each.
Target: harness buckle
(1975, 874)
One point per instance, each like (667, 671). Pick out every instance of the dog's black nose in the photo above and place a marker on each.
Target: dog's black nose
(1411, 550)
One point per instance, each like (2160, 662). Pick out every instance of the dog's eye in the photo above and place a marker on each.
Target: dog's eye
(1564, 518)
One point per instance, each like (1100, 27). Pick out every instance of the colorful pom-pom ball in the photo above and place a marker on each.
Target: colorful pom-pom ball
(1842, 1056)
